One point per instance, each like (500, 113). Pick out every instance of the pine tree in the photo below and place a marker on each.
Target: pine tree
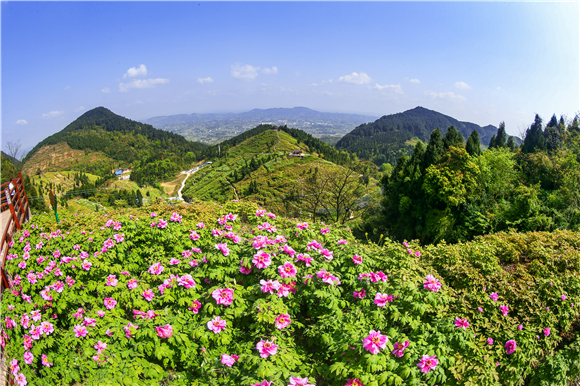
(452, 138)
(500, 140)
(434, 149)
(534, 137)
(473, 146)
(511, 144)
(553, 122)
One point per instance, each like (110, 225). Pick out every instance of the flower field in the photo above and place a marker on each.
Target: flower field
(236, 295)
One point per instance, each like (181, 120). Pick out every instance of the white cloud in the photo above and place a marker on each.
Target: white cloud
(273, 70)
(133, 72)
(445, 95)
(244, 72)
(462, 85)
(67, 88)
(106, 90)
(81, 108)
(204, 80)
(414, 81)
(21, 122)
(357, 78)
(142, 83)
(386, 87)
(52, 114)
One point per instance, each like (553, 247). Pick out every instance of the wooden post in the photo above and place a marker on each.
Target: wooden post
(9, 200)
(27, 208)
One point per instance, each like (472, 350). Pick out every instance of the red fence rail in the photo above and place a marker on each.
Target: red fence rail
(14, 200)
(15, 210)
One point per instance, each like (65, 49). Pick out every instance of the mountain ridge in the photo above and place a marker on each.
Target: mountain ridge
(394, 135)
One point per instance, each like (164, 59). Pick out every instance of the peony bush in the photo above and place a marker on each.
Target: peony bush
(252, 298)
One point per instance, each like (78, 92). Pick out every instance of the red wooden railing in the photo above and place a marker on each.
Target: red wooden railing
(15, 210)
(14, 200)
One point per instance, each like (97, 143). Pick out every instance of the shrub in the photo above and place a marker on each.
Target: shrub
(157, 298)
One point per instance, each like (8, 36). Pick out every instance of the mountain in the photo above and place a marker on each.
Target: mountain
(100, 140)
(215, 128)
(392, 136)
(255, 166)
(13, 160)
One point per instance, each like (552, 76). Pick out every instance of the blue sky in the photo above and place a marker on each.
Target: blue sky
(478, 62)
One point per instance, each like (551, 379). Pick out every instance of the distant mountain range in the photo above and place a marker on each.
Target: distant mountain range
(215, 128)
(392, 136)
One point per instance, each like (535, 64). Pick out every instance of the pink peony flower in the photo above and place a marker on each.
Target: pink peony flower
(110, 303)
(101, 313)
(563, 297)
(296, 381)
(431, 283)
(262, 260)
(302, 225)
(494, 296)
(461, 323)
(196, 307)
(489, 341)
(148, 294)
(287, 270)
(112, 281)
(263, 383)
(282, 321)
(520, 327)
(427, 363)
(223, 296)
(382, 299)
(354, 382)
(132, 283)
(164, 331)
(80, 331)
(28, 358)
(229, 360)
(100, 346)
(21, 379)
(174, 261)
(479, 309)
(216, 325)
(269, 286)
(510, 346)
(547, 331)
(504, 310)
(399, 348)
(375, 341)
(357, 259)
(223, 247)
(156, 269)
(266, 348)
(130, 330)
(360, 294)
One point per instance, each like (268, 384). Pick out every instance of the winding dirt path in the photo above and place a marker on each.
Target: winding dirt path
(183, 184)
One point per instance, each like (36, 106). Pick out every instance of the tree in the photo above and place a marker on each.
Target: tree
(13, 150)
(435, 149)
(500, 140)
(452, 138)
(473, 146)
(511, 144)
(534, 137)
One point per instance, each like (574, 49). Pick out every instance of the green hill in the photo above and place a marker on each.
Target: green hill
(392, 136)
(100, 140)
(257, 168)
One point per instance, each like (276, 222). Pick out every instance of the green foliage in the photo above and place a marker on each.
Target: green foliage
(457, 194)
(324, 340)
(390, 137)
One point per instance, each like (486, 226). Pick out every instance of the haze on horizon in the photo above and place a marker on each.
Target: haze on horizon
(477, 62)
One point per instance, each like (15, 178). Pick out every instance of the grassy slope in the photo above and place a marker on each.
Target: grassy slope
(61, 157)
(273, 178)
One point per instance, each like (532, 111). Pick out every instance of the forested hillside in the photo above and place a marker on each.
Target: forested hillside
(451, 191)
(153, 154)
(388, 138)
